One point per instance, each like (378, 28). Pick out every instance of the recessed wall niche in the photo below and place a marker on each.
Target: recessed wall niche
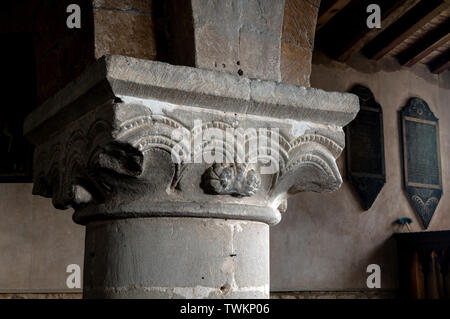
(421, 158)
(365, 148)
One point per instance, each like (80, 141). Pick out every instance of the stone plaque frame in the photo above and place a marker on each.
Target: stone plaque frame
(420, 140)
(366, 165)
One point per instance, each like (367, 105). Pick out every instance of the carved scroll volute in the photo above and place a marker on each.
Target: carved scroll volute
(311, 166)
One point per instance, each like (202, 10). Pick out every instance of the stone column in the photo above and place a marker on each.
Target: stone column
(159, 162)
(235, 36)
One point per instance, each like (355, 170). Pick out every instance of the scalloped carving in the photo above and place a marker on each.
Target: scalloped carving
(334, 147)
(130, 160)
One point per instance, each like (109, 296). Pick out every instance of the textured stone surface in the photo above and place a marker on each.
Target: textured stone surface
(295, 64)
(134, 6)
(139, 125)
(299, 23)
(297, 42)
(84, 175)
(105, 146)
(177, 258)
(239, 36)
(117, 76)
(124, 27)
(232, 36)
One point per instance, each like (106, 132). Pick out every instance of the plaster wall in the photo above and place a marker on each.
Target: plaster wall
(326, 241)
(37, 242)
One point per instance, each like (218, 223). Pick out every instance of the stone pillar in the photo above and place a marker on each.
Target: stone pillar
(240, 37)
(176, 257)
(160, 163)
(243, 37)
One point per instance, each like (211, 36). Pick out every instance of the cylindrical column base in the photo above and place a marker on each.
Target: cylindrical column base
(177, 257)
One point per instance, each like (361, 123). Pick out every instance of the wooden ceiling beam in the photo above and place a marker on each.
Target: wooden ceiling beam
(389, 16)
(328, 9)
(440, 63)
(423, 47)
(401, 29)
(345, 25)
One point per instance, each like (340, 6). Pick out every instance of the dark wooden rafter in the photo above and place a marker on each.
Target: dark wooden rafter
(388, 16)
(440, 63)
(423, 47)
(401, 29)
(328, 8)
(347, 32)
(345, 24)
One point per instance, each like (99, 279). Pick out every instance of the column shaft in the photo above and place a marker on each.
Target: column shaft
(176, 258)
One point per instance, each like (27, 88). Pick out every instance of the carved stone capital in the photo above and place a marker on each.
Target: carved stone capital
(134, 138)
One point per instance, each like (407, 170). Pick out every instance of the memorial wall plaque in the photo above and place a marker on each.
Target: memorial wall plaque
(421, 158)
(365, 148)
